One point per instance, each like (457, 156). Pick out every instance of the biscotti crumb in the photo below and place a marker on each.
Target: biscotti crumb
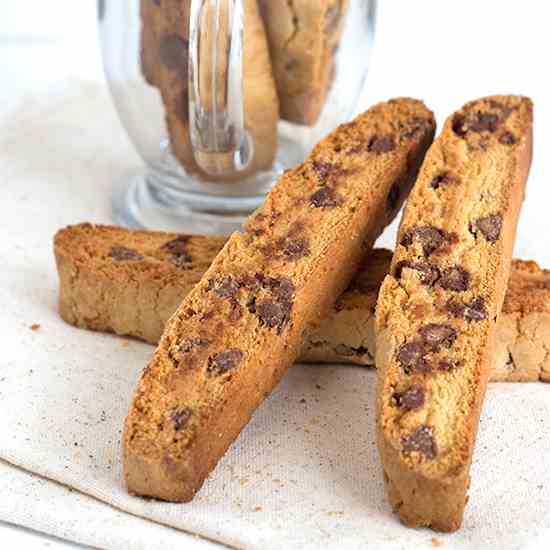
(34, 327)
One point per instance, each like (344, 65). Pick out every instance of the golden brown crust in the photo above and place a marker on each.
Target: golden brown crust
(128, 282)
(99, 292)
(303, 37)
(240, 328)
(164, 50)
(436, 311)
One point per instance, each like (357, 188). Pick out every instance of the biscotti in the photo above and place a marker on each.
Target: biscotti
(303, 37)
(436, 312)
(128, 282)
(131, 282)
(164, 62)
(240, 328)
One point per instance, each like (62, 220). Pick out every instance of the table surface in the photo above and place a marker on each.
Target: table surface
(404, 62)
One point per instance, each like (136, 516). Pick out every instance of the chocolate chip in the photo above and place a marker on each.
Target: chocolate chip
(348, 351)
(420, 441)
(490, 226)
(326, 197)
(180, 418)
(188, 345)
(294, 249)
(274, 314)
(475, 311)
(121, 253)
(411, 357)
(494, 104)
(505, 111)
(476, 122)
(412, 398)
(226, 287)
(446, 366)
(507, 138)
(235, 313)
(174, 52)
(454, 278)
(430, 238)
(485, 122)
(183, 261)
(412, 126)
(381, 144)
(459, 125)
(225, 361)
(324, 169)
(435, 335)
(207, 315)
(275, 309)
(438, 180)
(510, 363)
(248, 281)
(281, 287)
(177, 246)
(428, 273)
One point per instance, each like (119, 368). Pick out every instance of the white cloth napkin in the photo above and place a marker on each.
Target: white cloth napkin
(305, 472)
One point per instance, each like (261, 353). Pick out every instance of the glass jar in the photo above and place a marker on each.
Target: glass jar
(220, 96)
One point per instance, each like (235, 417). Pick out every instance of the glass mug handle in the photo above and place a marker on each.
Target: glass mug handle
(221, 145)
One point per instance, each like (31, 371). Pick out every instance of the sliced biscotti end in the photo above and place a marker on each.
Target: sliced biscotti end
(242, 326)
(436, 311)
(528, 289)
(113, 279)
(521, 352)
(346, 335)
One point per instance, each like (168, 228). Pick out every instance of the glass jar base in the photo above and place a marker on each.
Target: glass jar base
(142, 202)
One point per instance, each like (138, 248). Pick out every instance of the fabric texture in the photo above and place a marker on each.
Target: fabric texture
(304, 473)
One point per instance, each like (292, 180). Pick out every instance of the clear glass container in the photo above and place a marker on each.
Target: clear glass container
(221, 96)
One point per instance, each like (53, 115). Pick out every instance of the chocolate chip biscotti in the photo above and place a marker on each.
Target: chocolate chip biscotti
(237, 332)
(436, 312)
(303, 37)
(131, 282)
(164, 63)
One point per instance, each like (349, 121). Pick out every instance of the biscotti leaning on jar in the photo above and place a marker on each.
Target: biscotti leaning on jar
(436, 312)
(303, 39)
(130, 282)
(241, 327)
(164, 64)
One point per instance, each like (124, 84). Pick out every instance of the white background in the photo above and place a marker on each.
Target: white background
(443, 51)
